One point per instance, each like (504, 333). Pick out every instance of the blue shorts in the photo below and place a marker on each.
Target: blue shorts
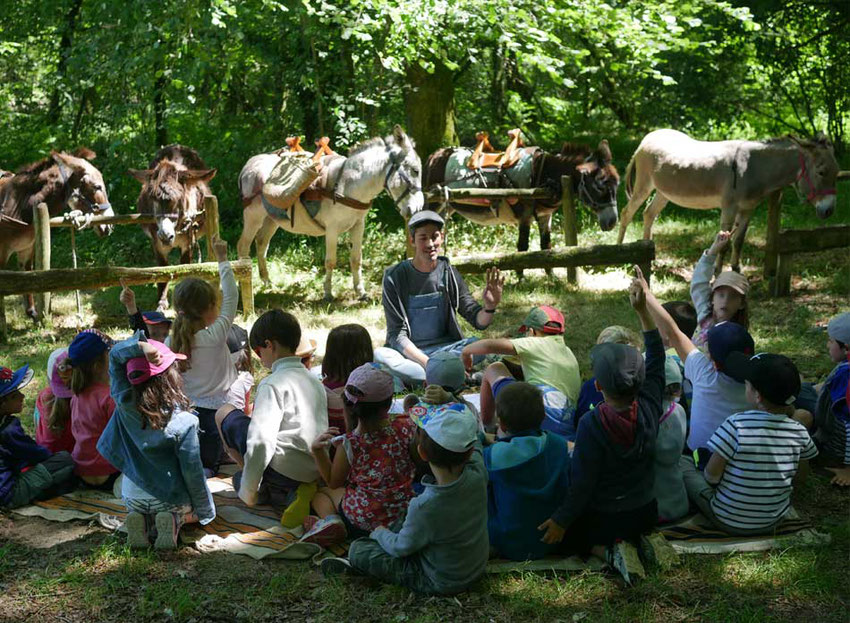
(559, 409)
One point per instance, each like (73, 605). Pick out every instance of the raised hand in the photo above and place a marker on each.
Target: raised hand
(494, 284)
(467, 358)
(720, 241)
(220, 249)
(436, 395)
(637, 290)
(128, 298)
(151, 353)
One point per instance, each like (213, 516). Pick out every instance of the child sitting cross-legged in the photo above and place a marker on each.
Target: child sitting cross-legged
(528, 473)
(370, 482)
(546, 362)
(290, 411)
(610, 497)
(153, 440)
(746, 486)
(442, 546)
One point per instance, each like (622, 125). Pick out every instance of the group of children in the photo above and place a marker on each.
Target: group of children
(548, 465)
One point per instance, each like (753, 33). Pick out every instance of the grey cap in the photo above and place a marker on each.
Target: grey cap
(446, 370)
(425, 216)
(619, 368)
(839, 328)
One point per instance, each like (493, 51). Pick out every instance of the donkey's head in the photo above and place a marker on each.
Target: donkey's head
(83, 185)
(595, 180)
(404, 175)
(167, 194)
(818, 173)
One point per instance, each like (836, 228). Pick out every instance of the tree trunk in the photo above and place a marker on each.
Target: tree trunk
(430, 107)
(65, 44)
(160, 132)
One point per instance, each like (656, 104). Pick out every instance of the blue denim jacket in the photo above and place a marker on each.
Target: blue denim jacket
(166, 463)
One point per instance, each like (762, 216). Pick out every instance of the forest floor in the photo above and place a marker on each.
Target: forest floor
(77, 572)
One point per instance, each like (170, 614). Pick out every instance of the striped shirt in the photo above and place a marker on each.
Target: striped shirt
(763, 451)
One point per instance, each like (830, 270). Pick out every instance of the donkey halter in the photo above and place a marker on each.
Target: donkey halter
(395, 167)
(94, 208)
(584, 194)
(804, 175)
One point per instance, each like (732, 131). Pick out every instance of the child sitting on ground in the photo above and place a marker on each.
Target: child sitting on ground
(28, 471)
(370, 482)
(546, 363)
(445, 378)
(290, 411)
(528, 473)
(589, 396)
(200, 332)
(349, 346)
(239, 393)
(724, 300)
(746, 487)
(154, 324)
(442, 546)
(610, 495)
(153, 440)
(53, 405)
(832, 413)
(91, 406)
(672, 428)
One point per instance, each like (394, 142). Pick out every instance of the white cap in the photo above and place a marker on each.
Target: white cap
(452, 425)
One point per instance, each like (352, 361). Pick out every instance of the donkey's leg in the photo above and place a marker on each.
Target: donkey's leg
(640, 193)
(357, 257)
(252, 220)
(652, 211)
(331, 241)
(25, 261)
(544, 226)
(264, 236)
(161, 254)
(742, 223)
(728, 216)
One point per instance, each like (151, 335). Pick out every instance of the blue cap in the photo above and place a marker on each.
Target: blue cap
(11, 380)
(446, 370)
(88, 345)
(155, 317)
(728, 337)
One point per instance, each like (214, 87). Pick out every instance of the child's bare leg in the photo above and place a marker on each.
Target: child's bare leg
(493, 373)
(327, 501)
(222, 413)
(804, 417)
(842, 476)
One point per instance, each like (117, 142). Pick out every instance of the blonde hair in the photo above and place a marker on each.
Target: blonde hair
(60, 415)
(84, 374)
(192, 299)
(616, 334)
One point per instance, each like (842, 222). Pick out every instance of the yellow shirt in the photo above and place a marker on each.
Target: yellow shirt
(548, 361)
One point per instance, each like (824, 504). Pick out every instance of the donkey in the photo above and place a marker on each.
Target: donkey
(173, 189)
(64, 182)
(734, 176)
(389, 163)
(594, 181)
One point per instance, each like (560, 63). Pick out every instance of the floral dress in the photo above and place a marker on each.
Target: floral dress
(380, 482)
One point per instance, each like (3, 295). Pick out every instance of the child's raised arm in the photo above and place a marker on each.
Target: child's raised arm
(704, 269)
(229, 292)
(666, 325)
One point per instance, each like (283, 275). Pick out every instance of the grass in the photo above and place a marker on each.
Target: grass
(95, 577)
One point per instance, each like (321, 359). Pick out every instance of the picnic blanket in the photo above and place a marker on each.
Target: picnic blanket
(696, 535)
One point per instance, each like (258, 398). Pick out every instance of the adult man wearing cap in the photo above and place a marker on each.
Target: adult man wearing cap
(422, 298)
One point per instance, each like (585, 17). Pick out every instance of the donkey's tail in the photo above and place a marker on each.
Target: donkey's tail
(629, 179)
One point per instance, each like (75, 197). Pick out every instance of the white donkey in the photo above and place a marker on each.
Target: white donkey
(734, 176)
(389, 163)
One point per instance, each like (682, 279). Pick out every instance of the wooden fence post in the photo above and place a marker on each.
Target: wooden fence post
(41, 223)
(211, 223)
(568, 207)
(771, 247)
(780, 284)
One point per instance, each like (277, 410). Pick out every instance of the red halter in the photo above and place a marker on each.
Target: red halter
(803, 174)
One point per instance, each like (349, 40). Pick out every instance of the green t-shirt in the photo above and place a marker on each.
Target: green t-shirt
(548, 361)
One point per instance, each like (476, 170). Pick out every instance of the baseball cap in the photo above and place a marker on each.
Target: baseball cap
(446, 370)
(839, 328)
(87, 345)
(727, 337)
(56, 366)
(619, 368)
(237, 339)
(774, 376)
(731, 279)
(139, 369)
(451, 425)
(618, 335)
(424, 216)
(544, 318)
(368, 383)
(155, 317)
(10, 380)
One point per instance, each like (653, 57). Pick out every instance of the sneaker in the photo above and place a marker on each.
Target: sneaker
(335, 566)
(326, 532)
(137, 531)
(655, 551)
(309, 522)
(623, 557)
(166, 531)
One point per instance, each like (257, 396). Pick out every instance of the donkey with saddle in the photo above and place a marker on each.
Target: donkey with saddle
(594, 181)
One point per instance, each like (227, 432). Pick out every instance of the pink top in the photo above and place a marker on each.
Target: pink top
(380, 483)
(90, 411)
(55, 442)
(336, 408)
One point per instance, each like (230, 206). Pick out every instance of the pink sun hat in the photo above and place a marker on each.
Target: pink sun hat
(139, 369)
(57, 366)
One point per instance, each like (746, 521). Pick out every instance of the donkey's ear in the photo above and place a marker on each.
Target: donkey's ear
(67, 163)
(822, 139)
(85, 153)
(603, 152)
(143, 175)
(195, 176)
(401, 137)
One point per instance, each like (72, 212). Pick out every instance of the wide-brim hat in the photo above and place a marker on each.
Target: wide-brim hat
(10, 380)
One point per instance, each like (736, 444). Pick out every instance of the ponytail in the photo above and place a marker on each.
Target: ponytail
(192, 299)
